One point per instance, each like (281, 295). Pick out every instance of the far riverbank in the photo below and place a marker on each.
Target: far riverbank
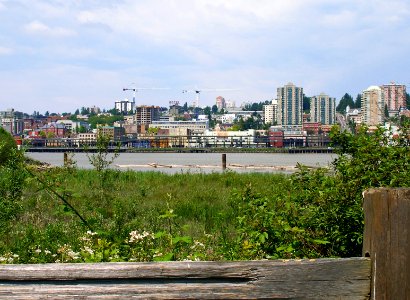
(198, 162)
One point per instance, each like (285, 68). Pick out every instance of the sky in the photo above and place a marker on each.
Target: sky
(59, 55)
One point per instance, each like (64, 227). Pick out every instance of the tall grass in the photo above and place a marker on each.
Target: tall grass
(120, 202)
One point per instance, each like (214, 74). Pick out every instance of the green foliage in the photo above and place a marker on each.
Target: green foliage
(102, 158)
(7, 143)
(306, 104)
(256, 106)
(104, 120)
(372, 159)
(254, 122)
(358, 101)
(347, 100)
(321, 214)
(12, 183)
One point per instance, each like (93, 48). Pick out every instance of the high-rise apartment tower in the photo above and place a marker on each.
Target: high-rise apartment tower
(372, 109)
(394, 96)
(290, 105)
(323, 109)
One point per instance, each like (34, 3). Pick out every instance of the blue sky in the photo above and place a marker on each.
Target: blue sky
(59, 55)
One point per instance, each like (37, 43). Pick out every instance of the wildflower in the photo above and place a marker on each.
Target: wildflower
(135, 236)
(197, 244)
(88, 250)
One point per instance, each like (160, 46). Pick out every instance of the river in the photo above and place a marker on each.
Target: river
(197, 162)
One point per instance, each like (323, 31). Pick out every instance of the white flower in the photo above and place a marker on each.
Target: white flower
(89, 250)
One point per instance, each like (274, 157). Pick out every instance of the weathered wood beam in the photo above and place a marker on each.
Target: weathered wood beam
(302, 279)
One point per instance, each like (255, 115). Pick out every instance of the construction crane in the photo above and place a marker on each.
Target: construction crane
(199, 91)
(136, 89)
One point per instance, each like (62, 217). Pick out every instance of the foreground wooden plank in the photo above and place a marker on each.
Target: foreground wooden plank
(303, 279)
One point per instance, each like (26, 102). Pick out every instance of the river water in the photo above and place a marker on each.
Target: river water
(198, 162)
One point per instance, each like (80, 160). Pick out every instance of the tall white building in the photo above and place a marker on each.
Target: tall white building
(323, 109)
(290, 105)
(271, 112)
(372, 109)
(125, 106)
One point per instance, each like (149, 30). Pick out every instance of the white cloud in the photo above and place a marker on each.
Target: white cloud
(256, 45)
(5, 50)
(37, 27)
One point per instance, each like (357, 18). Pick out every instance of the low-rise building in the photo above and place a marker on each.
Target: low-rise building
(115, 133)
(86, 139)
(196, 127)
(227, 138)
(74, 126)
(54, 130)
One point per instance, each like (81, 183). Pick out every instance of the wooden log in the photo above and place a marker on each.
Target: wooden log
(302, 279)
(387, 241)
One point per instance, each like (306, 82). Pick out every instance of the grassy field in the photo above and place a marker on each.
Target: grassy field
(116, 203)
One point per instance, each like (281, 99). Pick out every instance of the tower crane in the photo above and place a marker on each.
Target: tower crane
(136, 89)
(199, 91)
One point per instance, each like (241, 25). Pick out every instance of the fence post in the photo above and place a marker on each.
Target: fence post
(65, 159)
(386, 241)
(223, 161)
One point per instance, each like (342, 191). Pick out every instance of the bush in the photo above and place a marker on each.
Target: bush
(7, 143)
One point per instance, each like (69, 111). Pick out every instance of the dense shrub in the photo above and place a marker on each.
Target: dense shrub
(7, 143)
(12, 180)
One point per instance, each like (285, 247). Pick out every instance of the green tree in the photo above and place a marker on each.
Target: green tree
(207, 110)
(386, 111)
(358, 101)
(101, 159)
(306, 103)
(345, 101)
(256, 106)
(84, 111)
(109, 120)
(82, 129)
(12, 180)
(408, 100)
(214, 109)
(7, 144)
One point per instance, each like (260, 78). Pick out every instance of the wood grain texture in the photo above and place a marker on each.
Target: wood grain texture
(387, 241)
(294, 279)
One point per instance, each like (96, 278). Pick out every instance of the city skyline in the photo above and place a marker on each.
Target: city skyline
(61, 55)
